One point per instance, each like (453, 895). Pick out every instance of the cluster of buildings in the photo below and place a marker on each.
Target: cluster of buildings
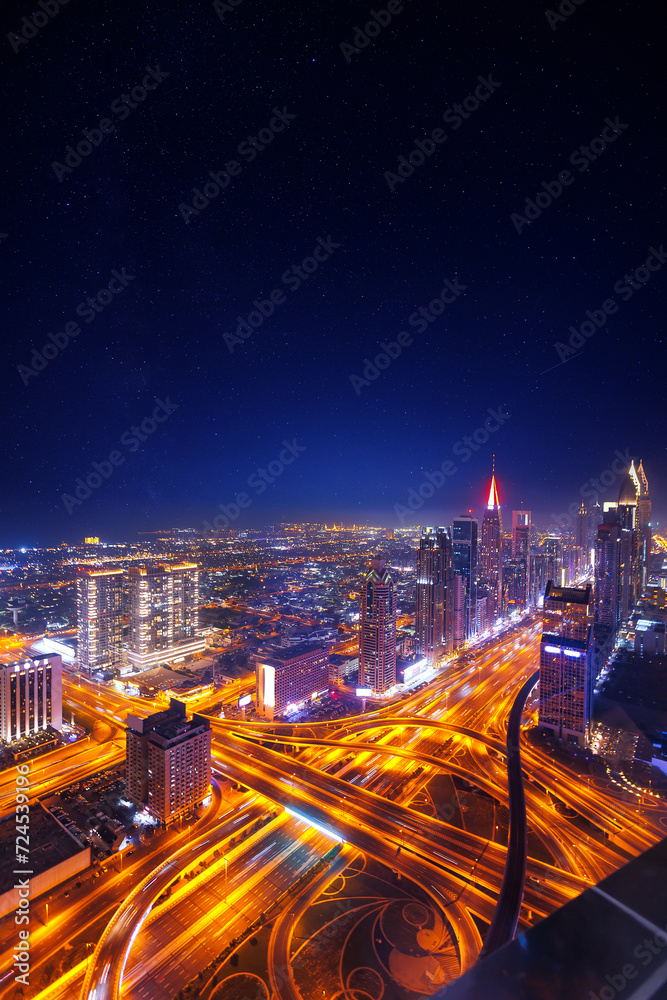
(160, 601)
(472, 576)
(469, 577)
(466, 582)
(581, 623)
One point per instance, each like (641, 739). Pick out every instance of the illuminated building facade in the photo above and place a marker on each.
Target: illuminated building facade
(459, 611)
(515, 585)
(491, 555)
(521, 532)
(586, 529)
(626, 511)
(464, 562)
(377, 629)
(343, 668)
(608, 559)
(643, 527)
(290, 676)
(545, 564)
(483, 621)
(168, 762)
(435, 595)
(566, 663)
(30, 697)
(99, 618)
(164, 613)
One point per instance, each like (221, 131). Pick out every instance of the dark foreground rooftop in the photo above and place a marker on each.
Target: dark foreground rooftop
(49, 845)
(610, 941)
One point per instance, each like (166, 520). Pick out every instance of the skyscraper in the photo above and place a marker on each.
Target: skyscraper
(643, 527)
(520, 534)
(186, 600)
(491, 553)
(608, 573)
(435, 594)
(377, 629)
(168, 761)
(164, 603)
(627, 518)
(566, 658)
(515, 590)
(582, 551)
(459, 610)
(521, 531)
(545, 564)
(99, 611)
(464, 563)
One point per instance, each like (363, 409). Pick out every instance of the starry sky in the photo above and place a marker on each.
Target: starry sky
(326, 177)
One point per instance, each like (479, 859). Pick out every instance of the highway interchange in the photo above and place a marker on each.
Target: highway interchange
(339, 774)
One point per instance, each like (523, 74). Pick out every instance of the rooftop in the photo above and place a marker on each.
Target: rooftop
(593, 947)
(50, 844)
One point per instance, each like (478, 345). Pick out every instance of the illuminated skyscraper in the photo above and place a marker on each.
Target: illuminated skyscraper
(491, 554)
(521, 530)
(643, 527)
(377, 629)
(164, 610)
(435, 594)
(515, 590)
(459, 604)
(630, 562)
(553, 550)
(99, 618)
(566, 657)
(185, 578)
(464, 563)
(608, 560)
(520, 534)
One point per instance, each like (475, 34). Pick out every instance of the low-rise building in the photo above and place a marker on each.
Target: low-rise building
(289, 676)
(55, 856)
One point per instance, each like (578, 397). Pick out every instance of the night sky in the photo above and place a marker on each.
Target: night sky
(357, 449)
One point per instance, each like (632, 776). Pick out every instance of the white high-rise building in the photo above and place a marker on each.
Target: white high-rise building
(31, 697)
(164, 613)
(99, 610)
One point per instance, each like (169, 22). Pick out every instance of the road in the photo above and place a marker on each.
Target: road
(505, 919)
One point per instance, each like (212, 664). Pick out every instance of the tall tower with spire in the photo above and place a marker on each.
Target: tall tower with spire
(491, 551)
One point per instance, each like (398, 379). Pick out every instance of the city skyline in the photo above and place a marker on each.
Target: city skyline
(413, 509)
